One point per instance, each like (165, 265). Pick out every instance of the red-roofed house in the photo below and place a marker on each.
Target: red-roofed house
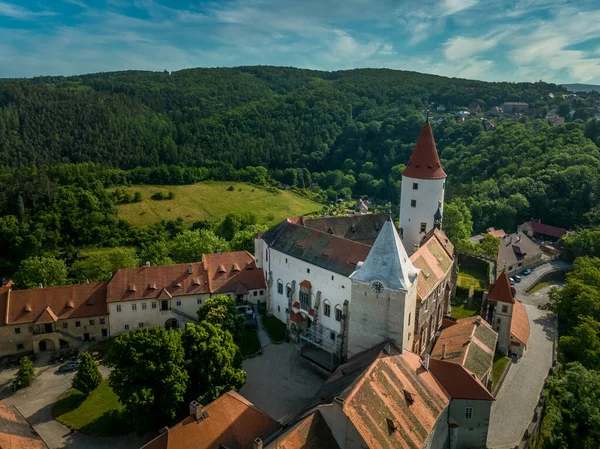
(52, 318)
(170, 295)
(535, 228)
(508, 317)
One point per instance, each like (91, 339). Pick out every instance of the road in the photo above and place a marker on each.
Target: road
(513, 409)
(35, 404)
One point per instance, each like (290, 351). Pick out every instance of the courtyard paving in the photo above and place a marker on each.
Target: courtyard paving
(279, 382)
(513, 409)
(35, 404)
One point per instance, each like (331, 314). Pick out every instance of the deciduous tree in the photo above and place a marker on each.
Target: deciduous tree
(47, 271)
(221, 310)
(88, 375)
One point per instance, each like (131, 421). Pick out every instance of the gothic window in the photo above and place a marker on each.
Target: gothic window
(423, 227)
(413, 203)
(280, 287)
(304, 299)
(326, 308)
(338, 313)
(415, 186)
(288, 290)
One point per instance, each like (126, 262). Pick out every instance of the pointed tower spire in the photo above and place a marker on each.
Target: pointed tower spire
(437, 217)
(387, 262)
(425, 162)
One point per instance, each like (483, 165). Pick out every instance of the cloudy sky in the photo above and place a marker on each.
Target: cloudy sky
(513, 40)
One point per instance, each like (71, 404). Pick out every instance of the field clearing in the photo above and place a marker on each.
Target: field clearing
(213, 201)
(468, 277)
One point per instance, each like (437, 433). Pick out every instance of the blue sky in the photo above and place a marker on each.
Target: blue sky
(495, 40)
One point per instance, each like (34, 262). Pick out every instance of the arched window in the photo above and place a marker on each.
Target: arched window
(338, 313)
(326, 308)
(280, 286)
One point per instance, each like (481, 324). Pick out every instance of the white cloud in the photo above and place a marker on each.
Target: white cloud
(453, 6)
(20, 13)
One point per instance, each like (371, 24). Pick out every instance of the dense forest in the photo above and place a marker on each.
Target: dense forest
(329, 135)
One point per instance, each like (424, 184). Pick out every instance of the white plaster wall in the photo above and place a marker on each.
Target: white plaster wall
(429, 193)
(333, 287)
(471, 433)
(503, 328)
(375, 318)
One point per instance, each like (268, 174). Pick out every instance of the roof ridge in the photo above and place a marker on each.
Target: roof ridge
(333, 236)
(238, 397)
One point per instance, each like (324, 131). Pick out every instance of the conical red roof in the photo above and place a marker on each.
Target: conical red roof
(425, 162)
(501, 290)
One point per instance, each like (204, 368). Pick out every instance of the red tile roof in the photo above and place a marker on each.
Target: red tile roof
(544, 229)
(217, 273)
(459, 382)
(296, 318)
(519, 324)
(434, 263)
(311, 432)
(45, 305)
(305, 284)
(425, 162)
(232, 422)
(498, 233)
(16, 432)
(501, 290)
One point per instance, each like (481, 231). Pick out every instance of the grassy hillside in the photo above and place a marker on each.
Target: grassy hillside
(213, 200)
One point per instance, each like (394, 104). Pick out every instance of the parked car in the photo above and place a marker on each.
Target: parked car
(517, 278)
(512, 281)
(527, 272)
(68, 367)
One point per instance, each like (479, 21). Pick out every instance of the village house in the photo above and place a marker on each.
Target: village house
(335, 292)
(169, 296)
(470, 342)
(52, 318)
(514, 106)
(228, 422)
(537, 229)
(508, 317)
(518, 252)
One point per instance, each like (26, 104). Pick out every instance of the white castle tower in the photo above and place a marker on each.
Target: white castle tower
(423, 186)
(384, 295)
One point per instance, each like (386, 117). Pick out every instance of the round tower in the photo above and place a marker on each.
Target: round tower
(422, 197)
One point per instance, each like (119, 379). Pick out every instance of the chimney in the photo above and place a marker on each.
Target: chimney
(426, 362)
(387, 348)
(40, 285)
(110, 275)
(444, 346)
(196, 410)
(258, 443)
(163, 430)
(190, 269)
(147, 264)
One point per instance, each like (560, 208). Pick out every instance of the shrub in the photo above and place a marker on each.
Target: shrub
(137, 197)
(231, 188)
(158, 196)
(170, 196)
(25, 374)
(462, 292)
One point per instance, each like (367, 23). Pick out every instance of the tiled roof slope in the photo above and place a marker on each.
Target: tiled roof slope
(233, 422)
(67, 301)
(470, 342)
(311, 432)
(501, 290)
(544, 229)
(519, 324)
(15, 431)
(459, 382)
(434, 261)
(424, 162)
(397, 388)
(218, 273)
(515, 248)
(324, 250)
(362, 228)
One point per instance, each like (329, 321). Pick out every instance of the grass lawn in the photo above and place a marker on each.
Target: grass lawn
(211, 200)
(274, 327)
(250, 343)
(500, 364)
(463, 311)
(99, 414)
(540, 286)
(468, 277)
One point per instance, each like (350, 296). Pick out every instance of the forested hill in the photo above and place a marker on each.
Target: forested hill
(271, 116)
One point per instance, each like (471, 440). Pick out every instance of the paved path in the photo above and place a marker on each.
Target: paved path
(263, 337)
(526, 281)
(513, 409)
(35, 404)
(280, 382)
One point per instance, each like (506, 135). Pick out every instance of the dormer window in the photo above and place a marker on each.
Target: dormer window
(131, 288)
(27, 308)
(221, 269)
(70, 305)
(151, 286)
